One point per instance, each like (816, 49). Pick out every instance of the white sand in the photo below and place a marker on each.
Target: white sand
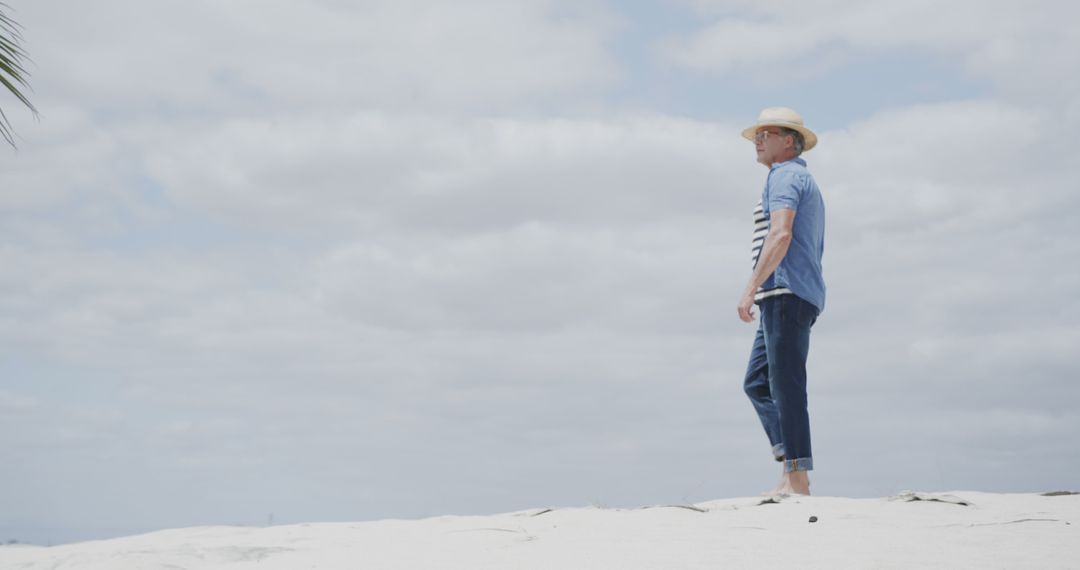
(994, 531)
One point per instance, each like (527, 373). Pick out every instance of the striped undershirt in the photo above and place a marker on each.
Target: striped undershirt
(761, 229)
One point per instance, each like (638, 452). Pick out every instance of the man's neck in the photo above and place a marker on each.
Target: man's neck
(783, 159)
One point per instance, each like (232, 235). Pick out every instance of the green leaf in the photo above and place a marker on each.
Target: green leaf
(12, 73)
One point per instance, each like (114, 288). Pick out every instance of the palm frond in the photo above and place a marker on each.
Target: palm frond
(12, 73)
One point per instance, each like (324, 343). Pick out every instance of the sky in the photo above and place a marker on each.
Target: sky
(269, 262)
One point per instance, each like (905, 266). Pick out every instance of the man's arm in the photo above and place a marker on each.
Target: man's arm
(772, 253)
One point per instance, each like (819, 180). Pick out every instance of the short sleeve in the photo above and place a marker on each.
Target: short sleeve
(784, 193)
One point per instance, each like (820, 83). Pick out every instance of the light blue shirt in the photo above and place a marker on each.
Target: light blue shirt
(791, 186)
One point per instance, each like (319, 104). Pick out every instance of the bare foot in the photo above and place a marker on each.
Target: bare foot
(794, 483)
(799, 482)
(782, 488)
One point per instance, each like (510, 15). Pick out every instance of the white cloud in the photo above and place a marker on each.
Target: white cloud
(187, 58)
(1022, 48)
(958, 163)
(375, 170)
(34, 180)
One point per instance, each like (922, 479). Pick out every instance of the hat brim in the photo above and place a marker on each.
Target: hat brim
(808, 136)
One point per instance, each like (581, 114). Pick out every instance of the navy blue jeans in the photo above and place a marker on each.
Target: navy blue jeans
(776, 378)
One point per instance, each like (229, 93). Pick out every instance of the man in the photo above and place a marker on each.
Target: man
(787, 284)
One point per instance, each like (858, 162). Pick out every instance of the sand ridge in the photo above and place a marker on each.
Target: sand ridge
(960, 529)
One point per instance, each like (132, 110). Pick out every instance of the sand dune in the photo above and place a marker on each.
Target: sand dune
(959, 529)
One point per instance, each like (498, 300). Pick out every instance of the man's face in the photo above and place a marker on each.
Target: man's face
(769, 144)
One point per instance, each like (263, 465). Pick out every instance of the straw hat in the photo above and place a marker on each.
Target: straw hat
(782, 117)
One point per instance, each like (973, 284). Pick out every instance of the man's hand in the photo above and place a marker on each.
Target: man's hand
(746, 308)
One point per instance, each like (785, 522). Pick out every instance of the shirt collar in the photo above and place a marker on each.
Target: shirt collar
(796, 160)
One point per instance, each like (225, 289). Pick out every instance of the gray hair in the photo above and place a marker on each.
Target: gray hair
(800, 142)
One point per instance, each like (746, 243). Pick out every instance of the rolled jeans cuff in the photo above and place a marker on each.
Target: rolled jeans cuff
(778, 452)
(800, 464)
